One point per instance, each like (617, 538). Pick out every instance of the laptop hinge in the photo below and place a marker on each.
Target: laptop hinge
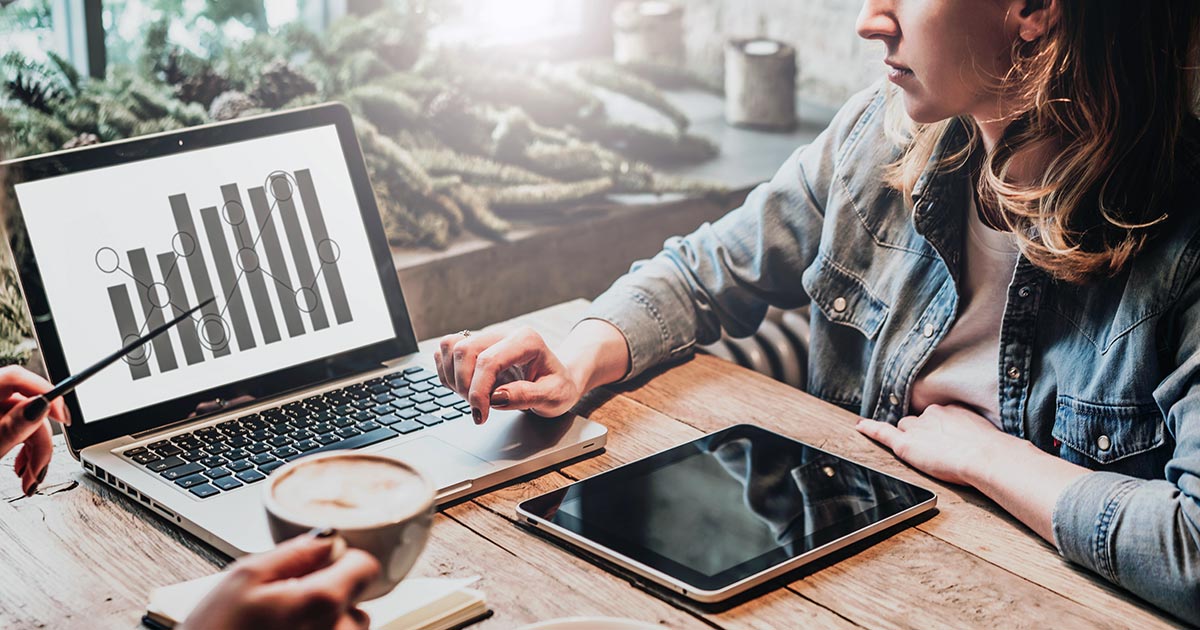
(166, 427)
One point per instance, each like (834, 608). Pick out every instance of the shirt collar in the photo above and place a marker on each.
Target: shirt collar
(939, 197)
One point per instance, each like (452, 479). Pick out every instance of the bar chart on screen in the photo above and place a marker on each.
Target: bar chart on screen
(266, 256)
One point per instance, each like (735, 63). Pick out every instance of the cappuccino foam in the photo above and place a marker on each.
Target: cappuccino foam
(350, 492)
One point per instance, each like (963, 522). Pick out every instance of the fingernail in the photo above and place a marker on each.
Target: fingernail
(33, 489)
(20, 470)
(477, 415)
(500, 398)
(322, 532)
(338, 550)
(36, 408)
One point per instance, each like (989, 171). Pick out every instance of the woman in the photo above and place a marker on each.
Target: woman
(1002, 249)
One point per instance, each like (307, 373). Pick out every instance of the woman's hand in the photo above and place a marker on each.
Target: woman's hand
(17, 387)
(480, 367)
(298, 585)
(951, 443)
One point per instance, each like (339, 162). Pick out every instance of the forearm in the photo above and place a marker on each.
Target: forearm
(1024, 481)
(595, 353)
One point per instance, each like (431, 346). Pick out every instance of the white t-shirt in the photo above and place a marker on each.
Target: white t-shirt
(964, 368)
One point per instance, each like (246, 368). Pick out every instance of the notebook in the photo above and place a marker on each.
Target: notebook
(416, 604)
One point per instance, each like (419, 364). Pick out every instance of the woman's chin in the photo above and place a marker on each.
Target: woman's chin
(922, 111)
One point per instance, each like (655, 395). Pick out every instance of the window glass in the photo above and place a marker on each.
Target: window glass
(202, 27)
(496, 22)
(28, 27)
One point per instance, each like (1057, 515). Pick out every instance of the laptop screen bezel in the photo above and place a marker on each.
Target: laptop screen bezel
(222, 399)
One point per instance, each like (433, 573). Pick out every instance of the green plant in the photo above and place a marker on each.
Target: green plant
(494, 132)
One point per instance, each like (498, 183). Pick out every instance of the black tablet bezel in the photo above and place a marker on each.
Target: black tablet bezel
(80, 435)
(545, 507)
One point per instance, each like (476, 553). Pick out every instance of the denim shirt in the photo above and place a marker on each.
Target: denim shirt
(1104, 374)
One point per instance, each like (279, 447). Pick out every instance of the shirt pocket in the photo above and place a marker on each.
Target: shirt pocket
(843, 297)
(1122, 438)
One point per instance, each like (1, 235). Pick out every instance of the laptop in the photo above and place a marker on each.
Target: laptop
(307, 347)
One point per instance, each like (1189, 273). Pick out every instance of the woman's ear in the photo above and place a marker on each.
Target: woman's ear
(1034, 18)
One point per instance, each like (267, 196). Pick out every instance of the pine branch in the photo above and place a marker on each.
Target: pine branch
(476, 168)
(610, 77)
(570, 162)
(546, 194)
(388, 110)
(672, 77)
(66, 70)
(396, 157)
(479, 216)
(651, 145)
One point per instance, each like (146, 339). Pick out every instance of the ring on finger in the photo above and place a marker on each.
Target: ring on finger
(465, 332)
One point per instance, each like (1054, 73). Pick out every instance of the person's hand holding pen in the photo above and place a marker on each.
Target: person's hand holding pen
(26, 420)
(29, 399)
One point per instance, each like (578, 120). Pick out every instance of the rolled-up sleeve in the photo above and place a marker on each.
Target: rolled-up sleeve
(1145, 534)
(726, 274)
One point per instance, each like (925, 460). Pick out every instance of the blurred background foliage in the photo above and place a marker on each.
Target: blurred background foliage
(457, 137)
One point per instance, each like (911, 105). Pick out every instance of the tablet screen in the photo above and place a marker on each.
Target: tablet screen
(727, 506)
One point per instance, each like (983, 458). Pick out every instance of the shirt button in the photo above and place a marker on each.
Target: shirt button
(1024, 292)
(928, 330)
(893, 399)
(1014, 372)
(839, 304)
(1103, 443)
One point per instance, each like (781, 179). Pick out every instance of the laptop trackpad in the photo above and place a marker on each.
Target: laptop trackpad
(443, 464)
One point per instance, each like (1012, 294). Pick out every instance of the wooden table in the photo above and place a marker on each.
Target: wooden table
(80, 555)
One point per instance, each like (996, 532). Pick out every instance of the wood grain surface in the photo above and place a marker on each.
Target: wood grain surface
(79, 555)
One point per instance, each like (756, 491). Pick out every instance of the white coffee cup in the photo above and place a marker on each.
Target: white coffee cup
(378, 504)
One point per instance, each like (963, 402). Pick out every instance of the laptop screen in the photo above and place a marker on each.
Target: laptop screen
(270, 227)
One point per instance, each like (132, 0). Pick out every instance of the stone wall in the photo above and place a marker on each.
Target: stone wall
(834, 62)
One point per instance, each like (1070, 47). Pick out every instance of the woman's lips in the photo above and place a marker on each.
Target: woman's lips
(897, 74)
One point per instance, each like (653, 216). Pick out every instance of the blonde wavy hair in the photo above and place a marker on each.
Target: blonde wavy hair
(1110, 89)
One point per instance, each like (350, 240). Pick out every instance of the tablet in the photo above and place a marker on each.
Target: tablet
(722, 514)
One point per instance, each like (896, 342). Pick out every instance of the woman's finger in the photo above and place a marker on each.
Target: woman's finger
(37, 450)
(60, 413)
(15, 379)
(541, 397)
(292, 558)
(15, 428)
(881, 432)
(340, 583)
(354, 619)
(519, 348)
(463, 354)
(20, 462)
(437, 365)
(446, 360)
(56, 409)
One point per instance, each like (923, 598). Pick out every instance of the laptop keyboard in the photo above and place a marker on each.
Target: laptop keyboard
(245, 450)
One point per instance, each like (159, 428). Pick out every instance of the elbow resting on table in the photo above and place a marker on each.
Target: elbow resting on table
(1141, 534)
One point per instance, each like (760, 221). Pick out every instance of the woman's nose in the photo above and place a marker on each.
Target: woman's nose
(877, 20)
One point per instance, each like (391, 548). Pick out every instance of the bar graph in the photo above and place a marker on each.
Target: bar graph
(271, 265)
